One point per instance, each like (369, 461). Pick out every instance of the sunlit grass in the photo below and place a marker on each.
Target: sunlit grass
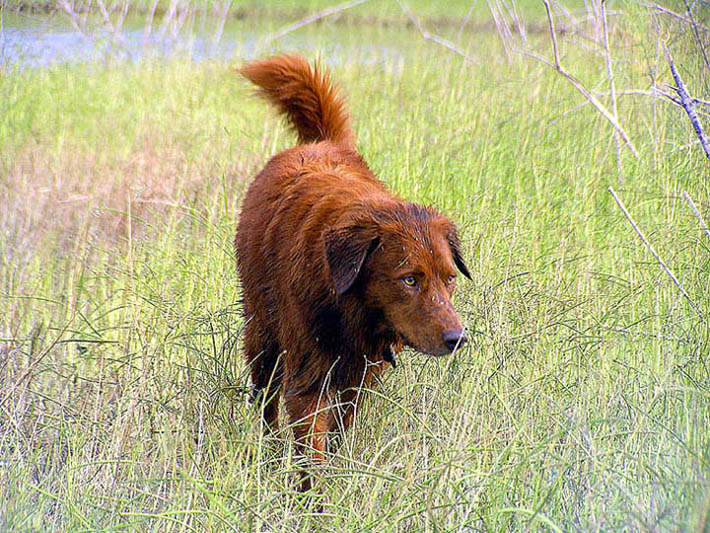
(582, 402)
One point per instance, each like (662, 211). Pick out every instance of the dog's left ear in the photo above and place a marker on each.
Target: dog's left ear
(455, 245)
(346, 248)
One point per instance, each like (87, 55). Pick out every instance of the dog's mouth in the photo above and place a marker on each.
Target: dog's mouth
(439, 351)
(443, 349)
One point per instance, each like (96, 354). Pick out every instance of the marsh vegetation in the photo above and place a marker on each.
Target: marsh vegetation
(583, 400)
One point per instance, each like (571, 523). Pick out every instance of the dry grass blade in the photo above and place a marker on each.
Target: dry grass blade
(31, 368)
(655, 254)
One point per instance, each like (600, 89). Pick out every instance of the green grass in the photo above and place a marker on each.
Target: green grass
(582, 404)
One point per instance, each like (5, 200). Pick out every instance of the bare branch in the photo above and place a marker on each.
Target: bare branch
(553, 35)
(654, 77)
(578, 84)
(697, 214)
(657, 93)
(655, 255)
(697, 33)
(167, 18)
(515, 17)
(466, 20)
(113, 29)
(82, 29)
(2, 35)
(502, 26)
(149, 24)
(687, 104)
(430, 36)
(612, 88)
(220, 26)
(312, 18)
(667, 11)
(565, 113)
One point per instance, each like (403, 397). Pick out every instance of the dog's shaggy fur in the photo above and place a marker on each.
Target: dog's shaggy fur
(337, 273)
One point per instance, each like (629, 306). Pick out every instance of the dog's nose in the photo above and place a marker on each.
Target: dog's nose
(454, 339)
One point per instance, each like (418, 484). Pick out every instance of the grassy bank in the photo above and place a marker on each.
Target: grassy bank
(583, 402)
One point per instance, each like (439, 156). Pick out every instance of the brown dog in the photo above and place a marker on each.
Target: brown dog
(337, 273)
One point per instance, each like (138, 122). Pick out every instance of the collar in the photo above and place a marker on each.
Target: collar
(389, 356)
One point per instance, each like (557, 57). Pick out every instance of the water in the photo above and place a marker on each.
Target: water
(41, 41)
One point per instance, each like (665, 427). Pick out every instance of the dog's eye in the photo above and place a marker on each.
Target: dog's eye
(409, 281)
(451, 279)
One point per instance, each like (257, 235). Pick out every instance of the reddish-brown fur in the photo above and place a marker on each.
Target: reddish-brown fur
(337, 273)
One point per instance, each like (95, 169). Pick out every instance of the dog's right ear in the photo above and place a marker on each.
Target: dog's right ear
(346, 248)
(456, 252)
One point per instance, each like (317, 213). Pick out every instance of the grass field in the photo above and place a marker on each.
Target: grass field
(583, 402)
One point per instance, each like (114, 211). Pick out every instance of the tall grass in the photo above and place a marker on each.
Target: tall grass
(582, 403)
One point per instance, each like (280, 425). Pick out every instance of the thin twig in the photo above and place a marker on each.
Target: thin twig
(678, 102)
(466, 20)
(515, 16)
(589, 96)
(565, 113)
(312, 18)
(612, 88)
(667, 11)
(82, 29)
(2, 34)
(149, 25)
(220, 27)
(657, 93)
(594, 13)
(113, 29)
(654, 77)
(577, 24)
(687, 103)
(180, 20)
(430, 36)
(658, 336)
(502, 26)
(697, 33)
(169, 14)
(655, 255)
(697, 213)
(578, 84)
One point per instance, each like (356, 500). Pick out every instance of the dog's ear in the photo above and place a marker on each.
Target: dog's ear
(455, 245)
(346, 248)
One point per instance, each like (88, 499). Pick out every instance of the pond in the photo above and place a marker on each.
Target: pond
(41, 40)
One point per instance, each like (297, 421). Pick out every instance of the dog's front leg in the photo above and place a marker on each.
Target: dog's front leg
(312, 419)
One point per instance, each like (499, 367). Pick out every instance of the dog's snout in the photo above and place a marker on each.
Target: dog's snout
(455, 339)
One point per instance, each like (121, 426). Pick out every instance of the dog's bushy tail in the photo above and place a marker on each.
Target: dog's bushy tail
(305, 94)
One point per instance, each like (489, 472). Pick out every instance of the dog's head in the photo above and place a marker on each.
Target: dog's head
(401, 259)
